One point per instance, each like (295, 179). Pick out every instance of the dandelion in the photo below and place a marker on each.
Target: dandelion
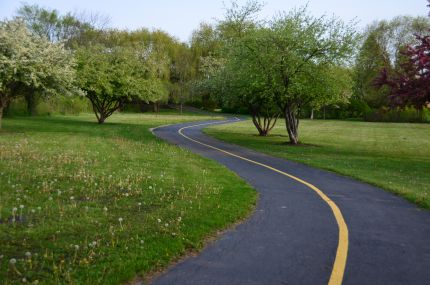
(28, 254)
(159, 220)
(39, 208)
(150, 187)
(33, 211)
(12, 263)
(21, 207)
(120, 222)
(76, 252)
(166, 225)
(105, 209)
(179, 219)
(13, 214)
(50, 198)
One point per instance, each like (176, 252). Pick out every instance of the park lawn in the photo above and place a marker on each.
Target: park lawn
(393, 156)
(82, 203)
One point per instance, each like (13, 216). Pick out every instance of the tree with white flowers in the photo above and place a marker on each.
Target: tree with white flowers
(31, 64)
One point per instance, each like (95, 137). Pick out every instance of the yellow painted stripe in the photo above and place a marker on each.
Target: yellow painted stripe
(339, 264)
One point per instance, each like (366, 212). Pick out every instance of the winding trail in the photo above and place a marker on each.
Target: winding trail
(310, 226)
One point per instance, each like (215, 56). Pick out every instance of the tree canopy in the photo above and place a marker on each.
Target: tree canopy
(29, 64)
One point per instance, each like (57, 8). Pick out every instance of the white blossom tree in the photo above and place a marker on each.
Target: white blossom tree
(31, 64)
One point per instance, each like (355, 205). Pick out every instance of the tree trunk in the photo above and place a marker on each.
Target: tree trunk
(269, 121)
(312, 113)
(101, 119)
(31, 101)
(1, 115)
(292, 122)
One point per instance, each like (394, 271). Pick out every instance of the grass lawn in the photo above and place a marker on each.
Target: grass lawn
(82, 203)
(393, 156)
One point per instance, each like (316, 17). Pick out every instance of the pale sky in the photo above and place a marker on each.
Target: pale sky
(179, 18)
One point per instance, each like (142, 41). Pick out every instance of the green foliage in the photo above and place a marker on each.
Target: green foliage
(407, 115)
(381, 49)
(112, 73)
(60, 104)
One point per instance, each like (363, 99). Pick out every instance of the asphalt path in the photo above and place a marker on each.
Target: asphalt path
(295, 235)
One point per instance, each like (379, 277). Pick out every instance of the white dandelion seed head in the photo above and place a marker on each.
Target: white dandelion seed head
(12, 261)
(21, 206)
(159, 220)
(120, 219)
(14, 209)
(28, 254)
(76, 247)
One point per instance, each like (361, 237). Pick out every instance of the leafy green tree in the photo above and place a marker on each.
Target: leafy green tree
(381, 49)
(293, 52)
(112, 73)
(371, 59)
(31, 64)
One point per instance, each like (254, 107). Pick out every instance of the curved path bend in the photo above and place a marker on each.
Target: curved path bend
(310, 226)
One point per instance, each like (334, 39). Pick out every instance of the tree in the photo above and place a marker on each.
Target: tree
(293, 52)
(371, 59)
(381, 48)
(31, 64)
(50, 25)
(113, 72)
(410, 86)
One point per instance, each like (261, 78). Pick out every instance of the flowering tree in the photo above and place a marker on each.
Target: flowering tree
(31, 64)
(410, 86)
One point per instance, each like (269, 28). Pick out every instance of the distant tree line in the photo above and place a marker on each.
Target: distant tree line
(292, 66)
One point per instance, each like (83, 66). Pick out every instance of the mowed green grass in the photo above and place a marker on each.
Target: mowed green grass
(82, 203)
(393, 156)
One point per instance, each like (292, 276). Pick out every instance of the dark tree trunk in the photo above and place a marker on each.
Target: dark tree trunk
(4, 102)
(266, 125)
(31, 101)
(1, 115)
(291, 114)
(104, 108)
(156, 107)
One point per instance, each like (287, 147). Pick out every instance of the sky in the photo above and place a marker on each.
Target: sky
(179, 18)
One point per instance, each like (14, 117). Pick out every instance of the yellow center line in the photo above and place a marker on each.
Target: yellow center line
(339, 264)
